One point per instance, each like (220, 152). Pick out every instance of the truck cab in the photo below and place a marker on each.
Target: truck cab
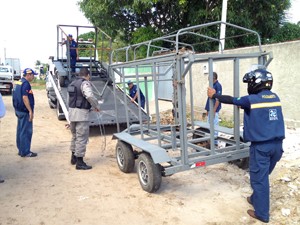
(6, 78)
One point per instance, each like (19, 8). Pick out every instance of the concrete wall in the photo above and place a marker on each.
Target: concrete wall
(285, 68)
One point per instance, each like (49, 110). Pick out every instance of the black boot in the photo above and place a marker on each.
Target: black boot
(73, 159)
(81, 165)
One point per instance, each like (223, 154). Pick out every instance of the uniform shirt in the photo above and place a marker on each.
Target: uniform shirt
(218, 87)
(22, 88)
(26, 91)
(263, 119)
(73, 45)
(133, 91)
(80, 115)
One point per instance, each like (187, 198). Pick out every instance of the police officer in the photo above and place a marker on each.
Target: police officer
(23, 102)
(73, 52)
(81, 100)
(264, 128)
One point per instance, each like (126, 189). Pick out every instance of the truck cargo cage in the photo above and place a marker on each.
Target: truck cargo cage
(96, 59)
(185, 143)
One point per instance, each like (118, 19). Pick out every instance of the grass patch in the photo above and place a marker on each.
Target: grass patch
(38, 84)
(226, 123)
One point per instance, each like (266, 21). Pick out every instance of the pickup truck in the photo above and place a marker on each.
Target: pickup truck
(6, 79)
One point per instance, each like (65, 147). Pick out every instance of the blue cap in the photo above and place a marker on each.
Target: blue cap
(29, 71)
(129, 82)
(70, 35)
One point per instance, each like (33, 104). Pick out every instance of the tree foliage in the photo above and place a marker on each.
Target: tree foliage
(135, 21)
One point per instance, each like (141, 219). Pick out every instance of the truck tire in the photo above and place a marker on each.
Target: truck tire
(61, 80)
(125, 157)
(149, 173)
(11, 89)
(59, 112)
(52, 103)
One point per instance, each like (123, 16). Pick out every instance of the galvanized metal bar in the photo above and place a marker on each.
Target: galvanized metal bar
(211, 111)
(236, 93)
(156, 104)
(139, 100)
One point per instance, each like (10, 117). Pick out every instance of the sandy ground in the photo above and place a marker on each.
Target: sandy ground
(48, 190)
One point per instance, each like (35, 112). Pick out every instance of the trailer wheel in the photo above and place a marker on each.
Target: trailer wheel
(149, 173)
(59, 112)
(125, 157)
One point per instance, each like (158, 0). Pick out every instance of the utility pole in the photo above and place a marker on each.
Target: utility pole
(223, 26)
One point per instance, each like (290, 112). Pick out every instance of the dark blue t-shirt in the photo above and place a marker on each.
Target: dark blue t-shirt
(73, 45)
(218, 87)
(22, 88)
(133, 91)
(263, 119)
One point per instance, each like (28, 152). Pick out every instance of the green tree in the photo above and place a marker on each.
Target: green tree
(287, 32)
(38, 62)
(129, 19)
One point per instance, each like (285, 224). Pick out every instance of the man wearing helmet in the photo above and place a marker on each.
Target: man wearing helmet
(264, 128)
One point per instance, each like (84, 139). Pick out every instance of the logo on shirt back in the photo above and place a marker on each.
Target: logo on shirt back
(273, 114)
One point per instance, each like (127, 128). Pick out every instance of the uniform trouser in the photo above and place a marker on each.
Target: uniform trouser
(24, 133)
(263, 158)
(73, 63)
(80, 135)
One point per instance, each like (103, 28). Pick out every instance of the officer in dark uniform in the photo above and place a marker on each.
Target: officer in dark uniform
(133, 93)
(73, 49)
(81, 101)
(264, 128)
(23, 102)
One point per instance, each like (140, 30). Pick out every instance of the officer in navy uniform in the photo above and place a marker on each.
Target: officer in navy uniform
(264, 128)
(73, 48)
(23, 102)
(133, 93)
(81, 101)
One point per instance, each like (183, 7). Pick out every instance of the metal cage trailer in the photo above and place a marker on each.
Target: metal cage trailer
(162, 150)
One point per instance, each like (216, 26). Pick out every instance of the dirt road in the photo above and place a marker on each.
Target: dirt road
(47, 190)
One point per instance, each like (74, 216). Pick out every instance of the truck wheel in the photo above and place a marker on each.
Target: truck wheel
(52, 103)
(149, 174)
(61, 80)
(59, 112)
(125, 157)
(11, 89)
(241, 163)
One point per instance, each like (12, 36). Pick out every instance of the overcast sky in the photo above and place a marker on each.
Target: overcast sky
(28, 27)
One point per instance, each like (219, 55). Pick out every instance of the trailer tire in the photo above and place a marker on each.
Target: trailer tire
(149, 173)
(59, 112)
(125, 157)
